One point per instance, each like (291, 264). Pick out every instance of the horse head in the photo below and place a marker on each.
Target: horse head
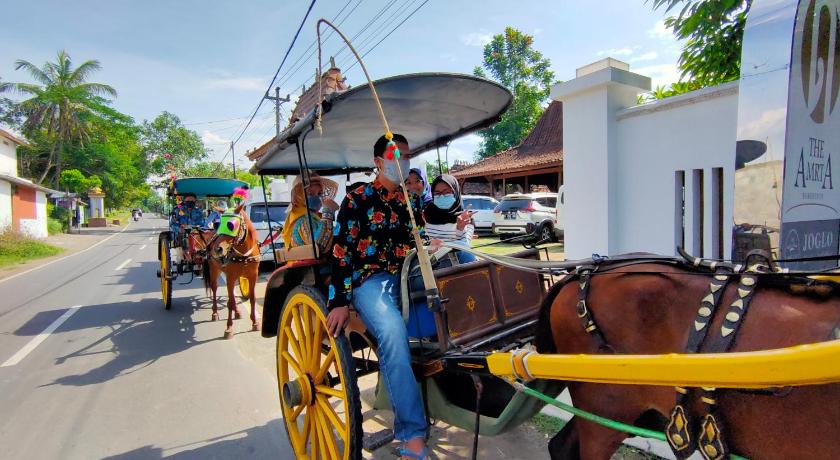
(235, 236)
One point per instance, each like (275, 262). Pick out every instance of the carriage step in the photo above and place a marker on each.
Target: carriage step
(373, 441)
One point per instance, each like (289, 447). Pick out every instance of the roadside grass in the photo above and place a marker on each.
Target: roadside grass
(16, 249)
(549, 425)
(508, 248)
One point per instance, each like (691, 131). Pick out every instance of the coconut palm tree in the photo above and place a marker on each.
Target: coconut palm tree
(61, 104)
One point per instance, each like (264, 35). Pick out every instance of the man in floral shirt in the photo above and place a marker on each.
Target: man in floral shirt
(372, 235)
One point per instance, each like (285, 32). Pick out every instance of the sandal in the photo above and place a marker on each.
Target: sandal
(422, 455)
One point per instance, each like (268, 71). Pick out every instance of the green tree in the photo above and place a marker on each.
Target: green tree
(10, 114)
(76, 182)
(714, 32)
(511, 60)
(61, 105)
(168, 144)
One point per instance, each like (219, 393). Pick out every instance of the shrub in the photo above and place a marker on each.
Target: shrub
(16, 248)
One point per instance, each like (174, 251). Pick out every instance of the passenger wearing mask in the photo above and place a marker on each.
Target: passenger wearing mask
(318, 197)
(446, 219)
(419, 189)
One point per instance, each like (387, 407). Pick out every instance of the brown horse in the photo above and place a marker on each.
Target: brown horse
(237, 255)
(649, 309)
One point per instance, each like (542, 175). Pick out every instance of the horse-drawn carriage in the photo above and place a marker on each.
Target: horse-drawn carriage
(192, 240)
(621, 333)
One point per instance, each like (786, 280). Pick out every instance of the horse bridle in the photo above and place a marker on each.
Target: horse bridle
(241, 235)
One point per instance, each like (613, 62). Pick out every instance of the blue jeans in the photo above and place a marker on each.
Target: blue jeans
(377, 301)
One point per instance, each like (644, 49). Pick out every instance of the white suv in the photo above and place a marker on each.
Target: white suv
(483, 207)
(516, 211)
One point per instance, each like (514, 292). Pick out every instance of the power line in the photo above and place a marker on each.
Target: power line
(285, 56)
(389, 33)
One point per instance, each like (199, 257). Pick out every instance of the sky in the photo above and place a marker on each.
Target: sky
(210, 61)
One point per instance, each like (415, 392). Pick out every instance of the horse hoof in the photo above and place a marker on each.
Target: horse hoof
(255, 327)
(214, 317)
(228, 335)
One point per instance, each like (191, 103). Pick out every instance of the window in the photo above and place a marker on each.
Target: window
(277, 212)
(548, 202)
(507, 205)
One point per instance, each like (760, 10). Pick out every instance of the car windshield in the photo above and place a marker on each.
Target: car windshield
(477, 204)
(277, 212)
(519, 203)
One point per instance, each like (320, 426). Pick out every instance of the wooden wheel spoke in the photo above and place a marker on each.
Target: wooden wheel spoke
(339, 426)
(304, 346)
(318, 438)
(298, 439)
(317, 337)
(329, 391)
(325, 366)
(307, 429)
(293, 342)
(297, 411)
(294, 364)
(328, 436)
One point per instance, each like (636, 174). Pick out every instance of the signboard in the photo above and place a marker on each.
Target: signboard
(811, 203)
(789, 132)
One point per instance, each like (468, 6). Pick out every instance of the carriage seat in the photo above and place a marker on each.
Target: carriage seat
(305, 252)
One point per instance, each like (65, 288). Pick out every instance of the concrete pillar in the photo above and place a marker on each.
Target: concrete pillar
(590, 102)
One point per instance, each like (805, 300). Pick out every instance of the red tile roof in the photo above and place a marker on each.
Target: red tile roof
(542, 148)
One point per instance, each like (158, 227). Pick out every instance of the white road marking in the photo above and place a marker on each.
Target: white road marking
(71, 255)
(18, 357)
(149, 238)
(143, 247)
(122, 265)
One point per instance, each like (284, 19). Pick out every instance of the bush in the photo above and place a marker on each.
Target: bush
(56, 219)
(54, 226)
(16, 248)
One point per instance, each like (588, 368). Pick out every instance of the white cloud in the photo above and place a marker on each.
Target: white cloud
(649, 56)
(236, 83)
(660, 31)
(476, 38)
(616, 52)
(660, 74)
(461, 149)
(209, 138)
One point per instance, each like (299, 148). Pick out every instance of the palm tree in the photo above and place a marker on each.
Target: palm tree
(61, 103)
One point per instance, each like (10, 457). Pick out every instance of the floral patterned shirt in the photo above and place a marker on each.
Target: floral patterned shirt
(372, 233)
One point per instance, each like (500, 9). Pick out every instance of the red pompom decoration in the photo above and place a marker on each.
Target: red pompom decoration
(389, 155)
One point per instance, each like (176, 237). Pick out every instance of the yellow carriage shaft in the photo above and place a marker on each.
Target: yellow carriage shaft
(811, 364)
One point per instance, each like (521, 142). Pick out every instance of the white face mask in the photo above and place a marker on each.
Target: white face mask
(390, 171)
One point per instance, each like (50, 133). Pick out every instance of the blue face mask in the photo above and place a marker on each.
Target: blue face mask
(313, 202)
(444, 202)
(391, 172)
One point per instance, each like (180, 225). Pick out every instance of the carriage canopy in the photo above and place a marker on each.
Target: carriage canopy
(206, 186)
(429, 109)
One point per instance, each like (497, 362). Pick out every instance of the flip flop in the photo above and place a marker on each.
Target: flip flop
(422, 455)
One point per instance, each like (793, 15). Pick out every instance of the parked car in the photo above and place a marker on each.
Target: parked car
(277, 210)
(516, 211)
(483, 207)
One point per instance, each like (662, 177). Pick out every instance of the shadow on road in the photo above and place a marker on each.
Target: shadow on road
(266, 441)
(140, 334)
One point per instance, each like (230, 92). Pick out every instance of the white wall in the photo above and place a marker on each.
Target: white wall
(8, 157)
(5, 205)
(620, 162)
(37, 227)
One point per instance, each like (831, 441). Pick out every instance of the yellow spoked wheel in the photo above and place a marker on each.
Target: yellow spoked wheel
(244, 287)
(319, 395)
(165, 268)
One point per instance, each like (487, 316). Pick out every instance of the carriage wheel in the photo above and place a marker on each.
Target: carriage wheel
(244, 286)
(165, 269)
(319, 395)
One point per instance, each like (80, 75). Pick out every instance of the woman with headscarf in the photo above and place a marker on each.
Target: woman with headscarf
(318, 198)
(419, 188)
(446, 218)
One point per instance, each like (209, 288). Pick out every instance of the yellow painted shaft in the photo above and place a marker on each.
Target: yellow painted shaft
(811, 364)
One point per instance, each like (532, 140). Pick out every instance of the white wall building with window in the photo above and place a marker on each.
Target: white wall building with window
(646, 177)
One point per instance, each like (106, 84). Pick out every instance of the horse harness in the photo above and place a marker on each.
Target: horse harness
(234, 255)
(680, 430)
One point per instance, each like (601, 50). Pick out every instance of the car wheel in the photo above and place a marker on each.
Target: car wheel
(546, 233)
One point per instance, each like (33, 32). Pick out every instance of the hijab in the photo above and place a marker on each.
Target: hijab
(437, 216)
(426, 196)
(298, 207)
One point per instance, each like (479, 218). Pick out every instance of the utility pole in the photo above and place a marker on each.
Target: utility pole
(233, 159)
(277, 101)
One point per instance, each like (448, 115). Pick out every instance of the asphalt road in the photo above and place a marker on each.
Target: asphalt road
(120, 377)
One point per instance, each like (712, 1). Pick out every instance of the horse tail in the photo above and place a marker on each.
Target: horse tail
(205, 274)
(543, 338)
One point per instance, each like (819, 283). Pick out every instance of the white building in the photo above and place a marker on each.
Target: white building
(23, 204)
(646, 177)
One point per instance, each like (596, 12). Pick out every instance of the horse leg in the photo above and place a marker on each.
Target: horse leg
(565, 445)
(252, 297)
(231, 306)
(237, 314)
(598, 442)
(213, 286)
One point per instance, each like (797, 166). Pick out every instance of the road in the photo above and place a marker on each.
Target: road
(120, 377)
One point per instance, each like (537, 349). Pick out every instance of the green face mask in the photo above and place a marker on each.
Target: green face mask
(229, 225)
